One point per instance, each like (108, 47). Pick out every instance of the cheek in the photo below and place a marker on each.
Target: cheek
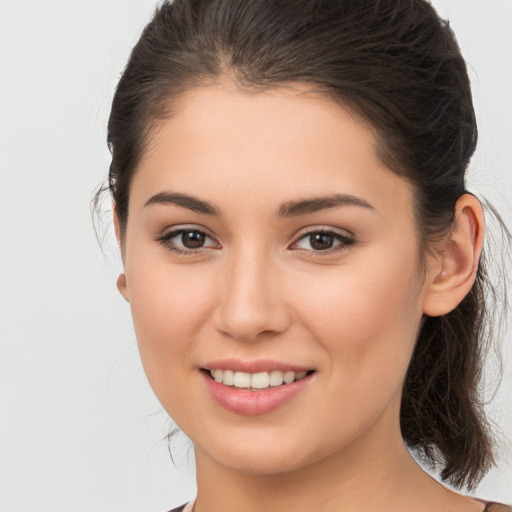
(367, 317)
(169, 307)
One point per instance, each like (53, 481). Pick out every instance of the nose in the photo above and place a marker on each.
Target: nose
(251, 302)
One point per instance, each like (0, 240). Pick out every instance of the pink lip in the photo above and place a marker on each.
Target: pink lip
(253, 403)
(262, 365)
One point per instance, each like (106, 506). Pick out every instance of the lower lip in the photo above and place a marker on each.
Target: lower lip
(253, 403)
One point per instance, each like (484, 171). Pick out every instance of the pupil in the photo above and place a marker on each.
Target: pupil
(192, 239)
(321, 241)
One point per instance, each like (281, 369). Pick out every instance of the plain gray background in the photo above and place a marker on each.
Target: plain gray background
(79, 427)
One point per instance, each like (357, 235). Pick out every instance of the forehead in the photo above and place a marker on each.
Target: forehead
(270, 146)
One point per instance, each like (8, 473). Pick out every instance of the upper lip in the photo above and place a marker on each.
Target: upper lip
(256, 366)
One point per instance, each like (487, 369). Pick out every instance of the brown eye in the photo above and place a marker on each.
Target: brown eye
(323, 241)
(187, 241)
(193, 239)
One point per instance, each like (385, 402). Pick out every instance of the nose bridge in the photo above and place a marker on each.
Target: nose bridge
(250, 303)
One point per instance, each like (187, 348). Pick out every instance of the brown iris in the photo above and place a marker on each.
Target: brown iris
(193, 239)
(321, 241)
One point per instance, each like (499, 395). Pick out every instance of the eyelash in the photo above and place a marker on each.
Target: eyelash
(165, 240)
(344, 241)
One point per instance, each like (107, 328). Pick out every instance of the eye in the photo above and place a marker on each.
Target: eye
(187, 240)
(323, 241)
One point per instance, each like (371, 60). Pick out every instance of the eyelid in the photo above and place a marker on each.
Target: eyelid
(324, 229)
(345, 237)
(165, 239)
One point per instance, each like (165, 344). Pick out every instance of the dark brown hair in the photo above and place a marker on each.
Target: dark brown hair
(397, 65)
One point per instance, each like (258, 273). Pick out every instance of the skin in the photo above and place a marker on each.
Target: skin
(258, 290)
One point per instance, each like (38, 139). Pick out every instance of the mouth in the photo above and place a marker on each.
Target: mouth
(262, 388)
(255, 381)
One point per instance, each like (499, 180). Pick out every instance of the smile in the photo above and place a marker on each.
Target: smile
(260, 380)
(255, 392)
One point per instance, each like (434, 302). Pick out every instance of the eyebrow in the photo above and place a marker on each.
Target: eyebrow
(315, 204)
(185, 201)
(288, 209)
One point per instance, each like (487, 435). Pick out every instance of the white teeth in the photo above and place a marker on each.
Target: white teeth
(261, 380)
(276, 378)
(242, 380)
(289, 377)
(229, 377)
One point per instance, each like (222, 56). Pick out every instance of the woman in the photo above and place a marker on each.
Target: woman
(302, 259)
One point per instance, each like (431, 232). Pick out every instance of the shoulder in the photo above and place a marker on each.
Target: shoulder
(491, 507)
(188, 507)
(497, 507)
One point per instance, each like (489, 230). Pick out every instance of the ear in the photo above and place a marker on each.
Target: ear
(454, 273)
(122, 285)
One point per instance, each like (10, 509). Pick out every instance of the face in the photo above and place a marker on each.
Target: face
(267, 245)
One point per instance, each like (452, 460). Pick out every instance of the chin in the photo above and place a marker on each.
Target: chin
(264, 455)
(262, 463)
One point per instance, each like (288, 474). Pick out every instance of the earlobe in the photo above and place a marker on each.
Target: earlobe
(452, 280)
(122, 286)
